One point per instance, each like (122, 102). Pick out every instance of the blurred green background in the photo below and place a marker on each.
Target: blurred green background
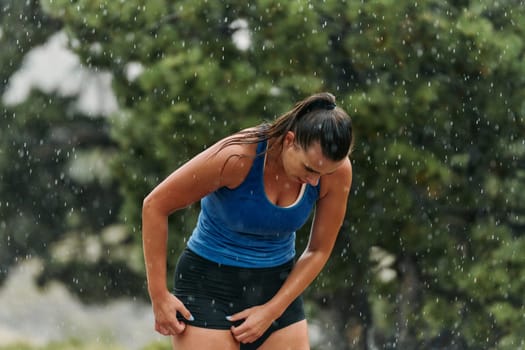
(431, 252)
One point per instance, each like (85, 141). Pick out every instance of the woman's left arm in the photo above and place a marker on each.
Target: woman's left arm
(328, 219)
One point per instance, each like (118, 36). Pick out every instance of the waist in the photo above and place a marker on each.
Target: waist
(242, 250)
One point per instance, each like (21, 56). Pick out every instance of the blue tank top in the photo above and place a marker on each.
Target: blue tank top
(241, 227)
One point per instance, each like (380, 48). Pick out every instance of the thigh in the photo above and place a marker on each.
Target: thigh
(202, 338)
(292, 337)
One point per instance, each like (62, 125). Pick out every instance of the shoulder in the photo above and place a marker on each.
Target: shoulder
(235, 159)
(339, 181)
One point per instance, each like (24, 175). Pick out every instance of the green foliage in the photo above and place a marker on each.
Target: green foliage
(165, 345)
(79, 345)
(54, 184)
(23, 25)
(65, 345)
(436, 90)
(452, 118)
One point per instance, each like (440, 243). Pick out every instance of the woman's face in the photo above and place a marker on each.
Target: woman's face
(306, 166)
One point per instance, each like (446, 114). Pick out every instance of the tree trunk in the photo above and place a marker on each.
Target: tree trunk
(408, 304)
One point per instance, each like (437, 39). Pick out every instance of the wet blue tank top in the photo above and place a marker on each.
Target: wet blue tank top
(241, 227)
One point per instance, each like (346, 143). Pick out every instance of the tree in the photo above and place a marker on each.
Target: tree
(56, 195)
(435, 89)
(443, 123)
(22, 26)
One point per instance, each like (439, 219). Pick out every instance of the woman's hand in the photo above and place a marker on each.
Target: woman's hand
(165, 308)
(257, 319)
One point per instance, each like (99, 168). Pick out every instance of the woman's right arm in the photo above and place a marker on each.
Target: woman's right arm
(206, 172)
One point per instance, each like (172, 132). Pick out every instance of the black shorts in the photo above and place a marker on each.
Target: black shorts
(213, 291)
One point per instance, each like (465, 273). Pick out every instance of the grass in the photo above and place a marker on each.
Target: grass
(78, 345)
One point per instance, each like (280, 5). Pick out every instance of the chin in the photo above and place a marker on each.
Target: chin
(300, 181)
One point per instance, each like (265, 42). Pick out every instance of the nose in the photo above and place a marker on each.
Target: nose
(313, 179)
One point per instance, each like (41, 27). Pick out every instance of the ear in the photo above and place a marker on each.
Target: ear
(289, 139)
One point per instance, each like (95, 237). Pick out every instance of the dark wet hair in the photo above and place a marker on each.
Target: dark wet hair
(314, 119)
(321, 121)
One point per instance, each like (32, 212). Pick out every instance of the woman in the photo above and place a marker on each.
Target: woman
(237, 285)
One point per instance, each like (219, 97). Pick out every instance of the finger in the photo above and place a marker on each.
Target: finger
(174, 325)
(170, 327)
(178, 327)
(162, 330)
(245, 334)
(241, 331)
(239, 337)
(245, 338)
(181, 308)
(186, 314)
(238, 316)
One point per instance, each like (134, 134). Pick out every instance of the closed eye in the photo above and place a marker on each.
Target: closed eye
(311, 170)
